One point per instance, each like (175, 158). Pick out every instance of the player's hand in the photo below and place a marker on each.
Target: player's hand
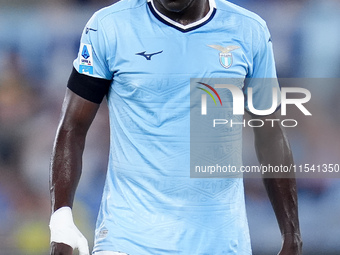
(65, 236)
(292, 245)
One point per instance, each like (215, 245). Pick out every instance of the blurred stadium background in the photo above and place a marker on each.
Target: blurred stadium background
(38, 42)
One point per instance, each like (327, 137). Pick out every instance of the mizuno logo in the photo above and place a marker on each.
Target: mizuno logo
(88, 29)
(148, 56)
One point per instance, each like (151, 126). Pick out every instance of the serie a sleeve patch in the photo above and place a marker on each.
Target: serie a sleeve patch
(90, 88)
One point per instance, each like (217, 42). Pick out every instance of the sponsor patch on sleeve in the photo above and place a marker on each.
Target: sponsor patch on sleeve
(86, 59)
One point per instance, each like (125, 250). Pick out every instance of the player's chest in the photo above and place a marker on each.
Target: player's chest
(190, 55)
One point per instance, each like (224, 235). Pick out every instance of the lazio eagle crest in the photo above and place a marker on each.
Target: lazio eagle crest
(226, 58)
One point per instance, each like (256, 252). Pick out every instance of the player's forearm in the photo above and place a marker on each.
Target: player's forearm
(282, 194)
(283, 197)
(66, 165)
(274, 150)
(64, 177)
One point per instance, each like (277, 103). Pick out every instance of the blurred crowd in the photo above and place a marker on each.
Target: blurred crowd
(38, 42)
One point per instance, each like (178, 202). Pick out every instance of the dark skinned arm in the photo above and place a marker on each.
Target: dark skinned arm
(272, 148)
(66, 162)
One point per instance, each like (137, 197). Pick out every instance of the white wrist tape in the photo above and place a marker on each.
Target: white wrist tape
(63, 230)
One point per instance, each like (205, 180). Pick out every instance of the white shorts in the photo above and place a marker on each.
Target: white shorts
(109, 253)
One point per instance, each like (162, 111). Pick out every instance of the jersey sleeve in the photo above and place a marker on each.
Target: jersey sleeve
(92, 56)
(91, 76)
(261, 79)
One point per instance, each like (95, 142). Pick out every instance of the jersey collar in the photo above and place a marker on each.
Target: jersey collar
(184, 28)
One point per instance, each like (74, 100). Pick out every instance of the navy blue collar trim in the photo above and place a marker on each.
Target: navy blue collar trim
(176, 27)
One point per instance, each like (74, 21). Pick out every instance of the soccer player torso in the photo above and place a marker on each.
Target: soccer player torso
(150, 204)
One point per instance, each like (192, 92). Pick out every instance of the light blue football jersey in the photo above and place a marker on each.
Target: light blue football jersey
(150, 205)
